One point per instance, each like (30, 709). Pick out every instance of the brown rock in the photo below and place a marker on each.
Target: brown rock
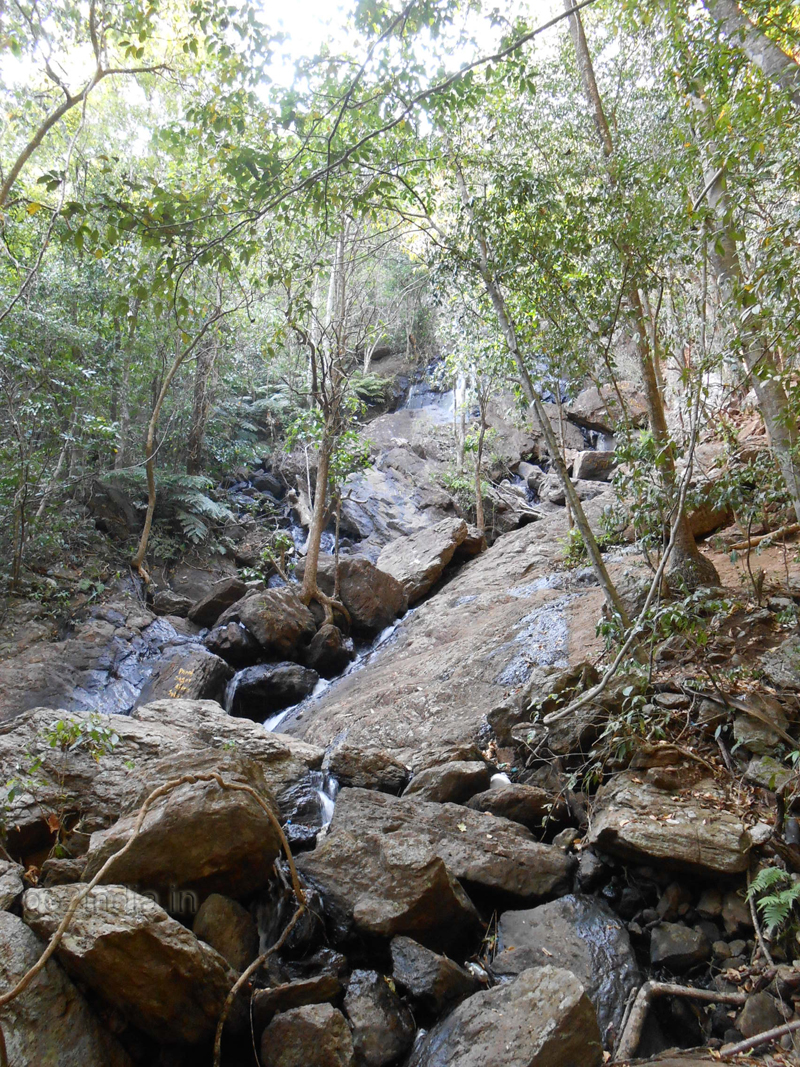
(366, 768)
(317, 1034)
(277, 619)
(208, 609)
(125, 948)
(229, 928)
(198, 676)
(432, 979)
(526, 804)
(417, 561)
(383, 1028)
(455, 782)
(372, 597)
(320, 989)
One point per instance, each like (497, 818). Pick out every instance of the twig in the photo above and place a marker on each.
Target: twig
(764, 1038)
(632, 1034)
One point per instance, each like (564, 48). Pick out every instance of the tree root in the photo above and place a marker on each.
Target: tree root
(328, 603)
(632, 1031)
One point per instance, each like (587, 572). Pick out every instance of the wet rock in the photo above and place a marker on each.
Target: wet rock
(373, 835)
(635, 820)
(320, 989)
(277, 619)
(196, 676)
(329, 652)
(455, 782)
(198, 837)
(543, 1017)
(417, 561)
(207, 610)
(263, 690)
(229, 928)
(433, 980)
(759, 1013)
(593, 466)
(49, 1023)
(600, 409)
(583, 936)
(677, 948)
(125, 948)
(317, 1034)
(372, 597)
(526, 804)
(366, 768)
(11, 886)
(234, 643)
(167, 602)
(383, 1028)
(592, 871)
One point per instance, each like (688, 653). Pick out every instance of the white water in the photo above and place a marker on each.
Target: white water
(327, 798)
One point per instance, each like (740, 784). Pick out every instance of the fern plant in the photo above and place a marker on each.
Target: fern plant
(182, 500)
(775, 894)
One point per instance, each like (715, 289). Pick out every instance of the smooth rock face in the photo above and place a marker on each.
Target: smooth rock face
(358, 866)
(317, 1034)
(277, 619)
(49, 1024)
(417, 562)
(433, 980)
(208, 609)
(198, 837)
(383, 1028)
(11, 887)
(155, 742)
(637, 821)
(541, 1019)
(229, 928)
(366, 768)
(678, 948)
(455, 782)
(261, 691)
(582, 935)
(373, 598)
(127, 950)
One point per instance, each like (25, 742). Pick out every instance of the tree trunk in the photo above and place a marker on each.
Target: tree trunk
(686, 559)
(123, 457)
(318, 521)
(206, 356)
(771, 60)
(480, 518)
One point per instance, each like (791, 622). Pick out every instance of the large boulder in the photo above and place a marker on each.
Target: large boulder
(196, 676)
(593, 466)
(542, 1019)
(433, 980)
(49, 1024)
(366, 768)
(234, 643)
(317, 1034)
(129, 952)
(151, 745)
(383, 1027)
(455, 781)
(528, 805)
(220, 597)
(168, 602)
(258, 692)
(372, 597)
(330, 651)
(582, 935)
(359, 865)
(600, 409)
(277, 619)
(684, 827)
(197, 837)
(11, 885)
(417, 561)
